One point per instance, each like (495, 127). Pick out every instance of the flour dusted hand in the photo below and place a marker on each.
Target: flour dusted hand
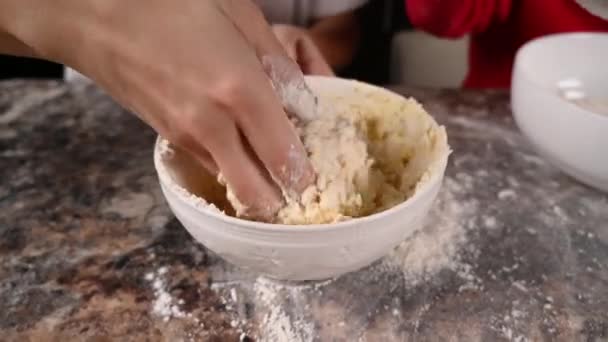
(191, 69)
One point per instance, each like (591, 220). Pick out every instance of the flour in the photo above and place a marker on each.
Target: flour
(490, 222)
(437, 246)
(370, 150)
(164, 305)
(288, 312)
(511, 325)
(130, 207)
(520, 285)
(289, 84)
(506, 194)
(165, 154)
(277, 325)
(29, 101)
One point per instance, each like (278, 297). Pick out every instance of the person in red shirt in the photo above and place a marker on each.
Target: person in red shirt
(499, 27)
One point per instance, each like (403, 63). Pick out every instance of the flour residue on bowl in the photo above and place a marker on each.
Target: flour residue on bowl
(189, 180)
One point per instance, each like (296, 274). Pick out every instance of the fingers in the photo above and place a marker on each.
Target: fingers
(310, 59)
(260, 117)
(258, 110)
(255, 195)
(290, 86)
(253, 192)
(276, 143)
(285, 74)
(241, 122)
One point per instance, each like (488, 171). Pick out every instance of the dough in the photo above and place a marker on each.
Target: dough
(370, 153)
(337, 149)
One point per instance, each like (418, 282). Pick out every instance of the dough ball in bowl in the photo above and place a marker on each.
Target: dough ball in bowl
(379, 159)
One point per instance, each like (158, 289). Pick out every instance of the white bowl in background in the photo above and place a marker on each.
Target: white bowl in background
(290, 252)
(571, 137)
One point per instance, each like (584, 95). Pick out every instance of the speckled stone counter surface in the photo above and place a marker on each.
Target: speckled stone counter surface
(513, 250)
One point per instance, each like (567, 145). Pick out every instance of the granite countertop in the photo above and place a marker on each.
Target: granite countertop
(513, 250)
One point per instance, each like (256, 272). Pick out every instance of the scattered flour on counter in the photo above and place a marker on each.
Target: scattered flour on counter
(505, 194)
(520, 285)
(512, 324)
(164, 305)
(510, 335)
(131, 206)
(27, 102)
(437, 246)
(490, 222)
(282, 311)
(445, 243)
(277, 325)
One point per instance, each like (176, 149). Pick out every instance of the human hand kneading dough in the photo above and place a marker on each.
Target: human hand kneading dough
(191, 69)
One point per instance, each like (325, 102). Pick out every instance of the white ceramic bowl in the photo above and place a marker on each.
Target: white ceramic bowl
(290, 252)
(569, 136)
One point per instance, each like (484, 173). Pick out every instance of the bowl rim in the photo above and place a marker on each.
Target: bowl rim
(426, 187)
(522, 70)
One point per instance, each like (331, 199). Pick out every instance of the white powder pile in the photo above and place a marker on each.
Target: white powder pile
(276, 324)
(273, 319)
(164, 305)
(437, 246)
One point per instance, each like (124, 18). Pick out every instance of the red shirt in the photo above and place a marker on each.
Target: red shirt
(498, 28)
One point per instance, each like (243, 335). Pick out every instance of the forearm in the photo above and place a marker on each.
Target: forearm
(47, 29)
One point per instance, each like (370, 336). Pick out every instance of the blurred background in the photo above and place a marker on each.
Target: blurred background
(390, 52)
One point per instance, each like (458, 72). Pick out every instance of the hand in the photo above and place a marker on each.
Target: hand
(301, 48)
(189, 68)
